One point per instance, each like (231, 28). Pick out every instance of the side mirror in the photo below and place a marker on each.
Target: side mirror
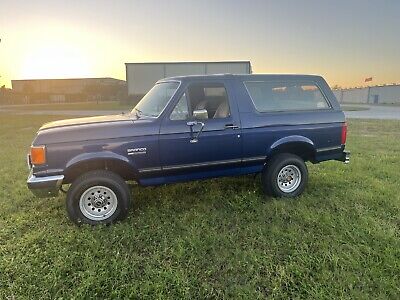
(195, 137)
(200, 114)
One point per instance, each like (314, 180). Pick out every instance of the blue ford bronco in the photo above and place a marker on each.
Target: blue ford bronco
(188, 128)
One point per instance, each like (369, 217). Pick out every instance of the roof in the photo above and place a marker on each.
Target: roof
(244, 77)
(190, 62)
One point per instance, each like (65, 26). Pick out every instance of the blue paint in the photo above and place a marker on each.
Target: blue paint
(171, 157)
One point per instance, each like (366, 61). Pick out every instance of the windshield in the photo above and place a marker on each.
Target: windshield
(154, 102)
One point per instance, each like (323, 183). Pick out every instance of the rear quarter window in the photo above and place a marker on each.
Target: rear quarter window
(269, 96)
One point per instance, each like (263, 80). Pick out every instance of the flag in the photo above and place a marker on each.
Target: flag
(368, 79)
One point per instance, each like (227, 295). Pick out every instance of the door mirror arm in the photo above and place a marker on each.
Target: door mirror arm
(195, 137)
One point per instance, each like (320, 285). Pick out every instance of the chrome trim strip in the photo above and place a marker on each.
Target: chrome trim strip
(329, 149)
(256, 158)
(148, 170)
(205, 164)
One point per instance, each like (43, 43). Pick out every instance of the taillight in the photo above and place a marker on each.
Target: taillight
(38, 155)
(344, 133)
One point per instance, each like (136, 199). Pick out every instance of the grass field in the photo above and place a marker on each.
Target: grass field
(211, 239)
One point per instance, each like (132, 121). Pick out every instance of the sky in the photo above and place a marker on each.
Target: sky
(345, 41)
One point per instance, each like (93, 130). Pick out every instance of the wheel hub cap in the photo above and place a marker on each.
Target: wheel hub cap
(289, 178)
(98, 203)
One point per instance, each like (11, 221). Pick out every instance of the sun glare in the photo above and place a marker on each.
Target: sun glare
(54, 61)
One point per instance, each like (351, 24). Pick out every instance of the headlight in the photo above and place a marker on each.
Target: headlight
(38, 155)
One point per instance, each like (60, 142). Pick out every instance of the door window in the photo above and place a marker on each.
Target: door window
(211, 97)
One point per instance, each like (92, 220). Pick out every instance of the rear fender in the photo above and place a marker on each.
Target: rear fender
(296, 144)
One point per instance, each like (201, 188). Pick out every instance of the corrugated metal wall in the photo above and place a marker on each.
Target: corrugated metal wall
(141, 77)
(355, 96)
(385, 94)
(233, 68)
(184, 69)
(338, 94)
(388, 94)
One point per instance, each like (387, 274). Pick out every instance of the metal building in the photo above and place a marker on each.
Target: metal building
(140, 77)
(381, 94)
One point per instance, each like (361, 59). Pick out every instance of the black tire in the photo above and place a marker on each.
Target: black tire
(112, 185)
(271, 172)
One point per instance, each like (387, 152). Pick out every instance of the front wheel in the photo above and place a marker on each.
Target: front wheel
(98, 197)
(285, 175)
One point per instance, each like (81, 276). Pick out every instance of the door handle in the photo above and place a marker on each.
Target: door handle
(231, 126)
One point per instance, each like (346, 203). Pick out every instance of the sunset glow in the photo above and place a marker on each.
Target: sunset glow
(55, 61)
(344, 41)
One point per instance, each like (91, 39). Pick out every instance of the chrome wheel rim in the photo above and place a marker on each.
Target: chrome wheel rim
(289, 178)
(98, 203)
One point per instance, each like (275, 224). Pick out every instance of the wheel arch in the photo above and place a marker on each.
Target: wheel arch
(105, 160)
(295, 144)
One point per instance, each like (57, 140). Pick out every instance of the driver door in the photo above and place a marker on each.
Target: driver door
(217, 146)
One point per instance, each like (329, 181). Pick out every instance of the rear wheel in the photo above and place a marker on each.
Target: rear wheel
(285, 175)
(98, 197)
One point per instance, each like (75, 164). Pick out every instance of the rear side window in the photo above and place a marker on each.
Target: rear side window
(269, 96)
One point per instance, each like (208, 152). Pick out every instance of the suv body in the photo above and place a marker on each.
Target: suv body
(196, 127)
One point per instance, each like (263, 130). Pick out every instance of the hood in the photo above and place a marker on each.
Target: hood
(94, 128)
(87, 120)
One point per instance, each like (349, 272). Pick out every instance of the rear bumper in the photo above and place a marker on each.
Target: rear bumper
(345, 157)
(47, 186)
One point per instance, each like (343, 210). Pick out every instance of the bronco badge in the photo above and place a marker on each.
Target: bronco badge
(136, 151)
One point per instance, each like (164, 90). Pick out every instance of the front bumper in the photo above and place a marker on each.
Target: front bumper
(47, 186)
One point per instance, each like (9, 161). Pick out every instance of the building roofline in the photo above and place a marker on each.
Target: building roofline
(229, 75)
(369, 86)
(189, 62)
(78, 78)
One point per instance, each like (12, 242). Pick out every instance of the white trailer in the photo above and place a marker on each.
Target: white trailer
(140, 77)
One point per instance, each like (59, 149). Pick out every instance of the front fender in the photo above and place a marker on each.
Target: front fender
(95, 156)
(98, 156)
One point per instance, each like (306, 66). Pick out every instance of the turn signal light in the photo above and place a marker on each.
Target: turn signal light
(38, 155)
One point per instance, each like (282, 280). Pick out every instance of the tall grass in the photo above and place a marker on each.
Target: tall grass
(217, 238)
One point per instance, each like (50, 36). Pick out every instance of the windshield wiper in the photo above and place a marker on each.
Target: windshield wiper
(138, 111)
(140, 114)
